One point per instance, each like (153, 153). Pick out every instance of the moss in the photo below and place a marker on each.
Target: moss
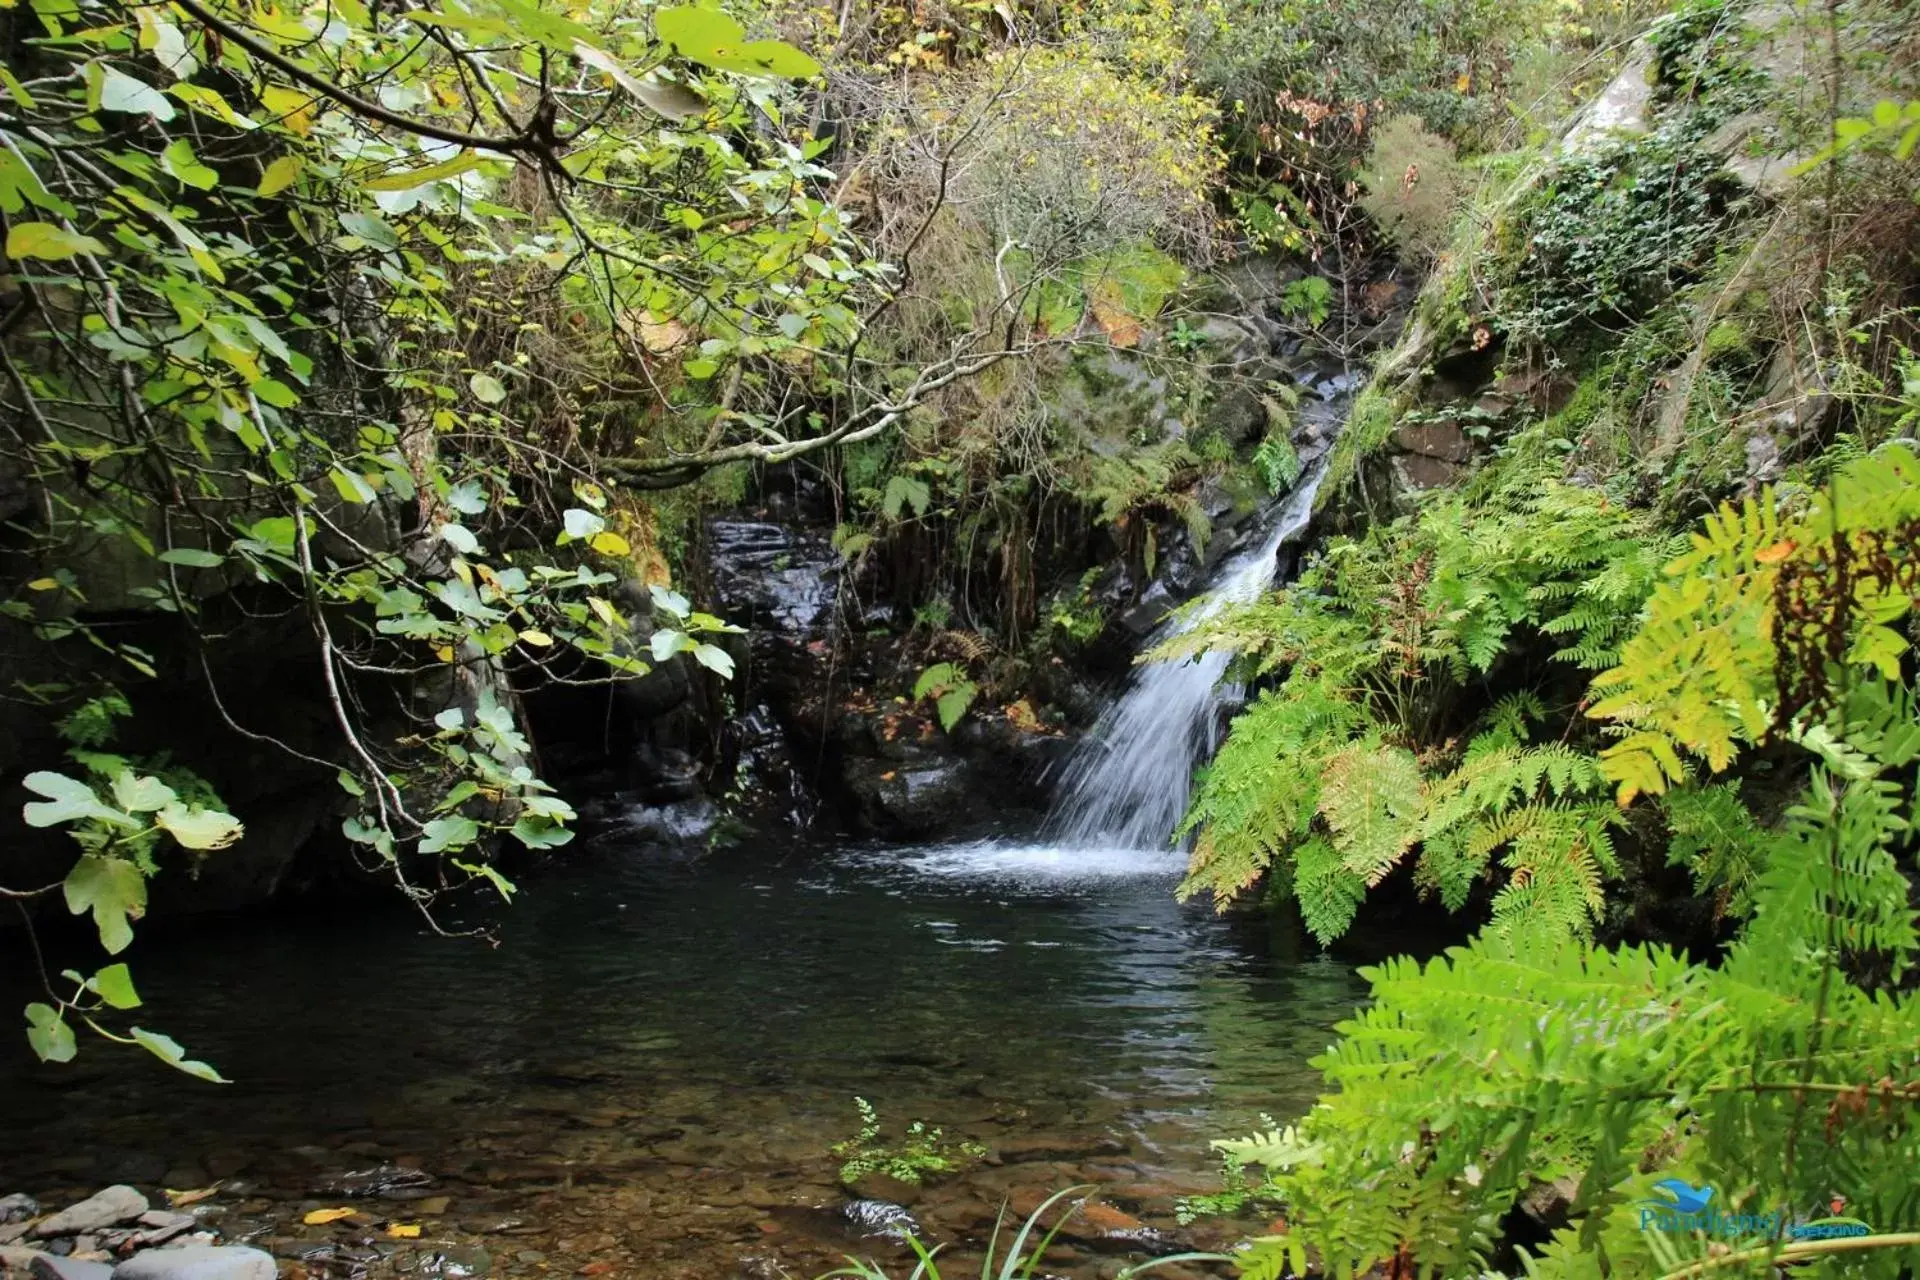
(1370, 425)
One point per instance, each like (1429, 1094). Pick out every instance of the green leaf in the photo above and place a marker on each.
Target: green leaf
(178, 159)
(192, 558)
(581, 523)
(407, 181)
(114, 984)
(468, 497)
(114, 891)
(49, 1035)
(903, 492)
(953, 704)
(506, 887)
(460, 538)
(373, 230)
(140, 795)
(276, 393)
(351, 487)
(50, 243)
(701, 368)
(713, 39)
(669, 600)
(68, 800)
(442, 834)
(198, 828)
(486, 388)
(115, 90)
(539, 833)
(168, 1050)
(934, 677)
(714, 659)
(666, 642)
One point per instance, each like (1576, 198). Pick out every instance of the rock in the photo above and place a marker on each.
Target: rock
(1025, 1150)
(1621, 106)
(378, 1181)
(878, 1186)
(1442, 440)
(1547, 1202)
(1416, 472)
(17, 1208)
(465, 1260)
(48, 1267)
(106, 1208)
(197, 1262)
(154, 1218)
(301, 1250)
(16, 1261)
(14, 1231)
(901, 800)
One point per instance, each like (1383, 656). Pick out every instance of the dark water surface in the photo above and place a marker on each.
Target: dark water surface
(651, 1065)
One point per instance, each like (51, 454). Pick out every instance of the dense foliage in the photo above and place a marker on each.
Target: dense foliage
(1530, 1056)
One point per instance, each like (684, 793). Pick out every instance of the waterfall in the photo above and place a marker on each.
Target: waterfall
(1126, 785)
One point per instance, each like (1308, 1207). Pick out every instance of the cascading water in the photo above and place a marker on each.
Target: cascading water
(1126, 785)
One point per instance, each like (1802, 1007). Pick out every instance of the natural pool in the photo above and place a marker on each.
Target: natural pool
(650, 1067)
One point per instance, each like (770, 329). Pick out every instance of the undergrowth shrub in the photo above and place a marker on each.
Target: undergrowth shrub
(1366, 749)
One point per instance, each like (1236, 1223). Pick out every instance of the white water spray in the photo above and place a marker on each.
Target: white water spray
(1126, 785)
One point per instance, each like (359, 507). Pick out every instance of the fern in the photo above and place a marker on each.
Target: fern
(1785, 1075)
(1699, 676)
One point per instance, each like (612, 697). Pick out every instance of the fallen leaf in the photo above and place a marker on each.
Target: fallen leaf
(179, 1198)
(320, 1217)
(403, 1230)
(596, 1268)
(1774, 554)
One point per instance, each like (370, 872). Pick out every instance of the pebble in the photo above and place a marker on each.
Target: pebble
(106, 1208)
(197, 1262)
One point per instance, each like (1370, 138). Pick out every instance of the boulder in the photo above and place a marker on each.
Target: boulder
(1416, 472)
(923, 799)
(108, 1208)
(1442, 440)
(17, 1208)
(46, 1266)
(197, 1262)
(16, 1261)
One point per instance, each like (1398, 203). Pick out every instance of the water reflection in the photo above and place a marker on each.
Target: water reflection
(743, 991)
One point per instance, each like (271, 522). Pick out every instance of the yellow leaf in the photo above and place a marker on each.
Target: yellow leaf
(444, 653)
(1774, 554)
(1464, 83)
(279, 175)
(404, 1230)
(294, 108)
(539, 639)
(42, 584)
(609, 543)
(179, 1199)
(320, 1217)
